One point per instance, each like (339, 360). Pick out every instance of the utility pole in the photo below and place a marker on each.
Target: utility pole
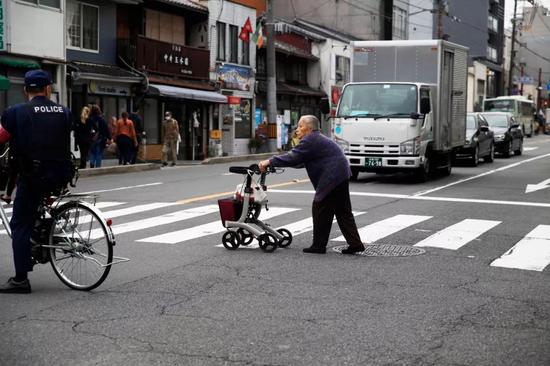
(512, 52)
(440, 9)
(271, 66)
(539, 89)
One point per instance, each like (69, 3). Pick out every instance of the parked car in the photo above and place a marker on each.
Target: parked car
(508, 134)
(479, 140)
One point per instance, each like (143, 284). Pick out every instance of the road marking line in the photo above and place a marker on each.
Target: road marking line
(122, 188)
(481, 175)
(230, 193)
(158, 220)
(526, 148)
(387, 227)
(457, 235)
(99, 205)
(180, 236)
(530, 253)
(427, 198)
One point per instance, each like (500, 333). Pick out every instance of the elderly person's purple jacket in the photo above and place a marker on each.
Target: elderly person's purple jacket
(324, 161)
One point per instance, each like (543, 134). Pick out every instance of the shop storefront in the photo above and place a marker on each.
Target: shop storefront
(194, 109)
(110, 87)
(236, 118)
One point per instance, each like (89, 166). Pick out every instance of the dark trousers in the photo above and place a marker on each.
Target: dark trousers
(125, 149)
(84, 151)
(25, 213)
(336, 203)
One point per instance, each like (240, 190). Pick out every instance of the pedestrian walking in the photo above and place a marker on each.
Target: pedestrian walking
(329, 172)
(83, 135)
(125, 137)
(100, 136)
(39, 132)
(172, 137)
(140, 133)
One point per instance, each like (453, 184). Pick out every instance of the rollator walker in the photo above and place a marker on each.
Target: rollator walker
(240, 214)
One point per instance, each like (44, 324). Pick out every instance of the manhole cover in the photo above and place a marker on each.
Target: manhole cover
(385, 250)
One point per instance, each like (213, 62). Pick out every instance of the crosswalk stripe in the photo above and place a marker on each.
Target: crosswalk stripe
(99, 205)
(215, 227)
(158, 220)
(384, 228)
(530, 253)
(526, 148)
(457, 235)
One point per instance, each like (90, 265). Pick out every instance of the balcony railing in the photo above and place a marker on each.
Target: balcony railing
(164, 58)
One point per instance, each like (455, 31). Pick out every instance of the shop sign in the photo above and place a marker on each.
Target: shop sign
(95, 87)
(231, 99)
(3, 26)
(172, 58)
(258, 116)
(234, 77)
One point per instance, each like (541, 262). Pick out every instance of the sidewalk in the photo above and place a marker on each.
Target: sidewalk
(110, 166)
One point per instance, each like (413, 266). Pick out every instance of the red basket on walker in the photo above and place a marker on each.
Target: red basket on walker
(230, 209)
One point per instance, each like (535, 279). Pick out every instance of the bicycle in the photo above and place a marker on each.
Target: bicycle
(74, 237)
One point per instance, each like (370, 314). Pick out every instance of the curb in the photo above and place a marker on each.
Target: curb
(229, 159)
(117, 169)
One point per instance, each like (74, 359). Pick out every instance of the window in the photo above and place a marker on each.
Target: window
(82, 26)
(399, 23)
(51, 3)
(243, 119)
(342, 70)
(165, 27)
(233, 44)
(491, 53)
(220, 27)
(493, 23)
(245, 55)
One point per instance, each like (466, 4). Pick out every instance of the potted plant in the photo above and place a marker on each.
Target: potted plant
(254, 144)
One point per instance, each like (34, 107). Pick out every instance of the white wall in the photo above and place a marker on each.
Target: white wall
(36, 30)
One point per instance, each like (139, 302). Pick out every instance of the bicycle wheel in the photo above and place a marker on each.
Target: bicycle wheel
(81, 246)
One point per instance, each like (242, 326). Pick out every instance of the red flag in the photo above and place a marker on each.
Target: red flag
(247, 26)
(244, 35)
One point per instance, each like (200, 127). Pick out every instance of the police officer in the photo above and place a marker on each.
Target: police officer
(39, 131)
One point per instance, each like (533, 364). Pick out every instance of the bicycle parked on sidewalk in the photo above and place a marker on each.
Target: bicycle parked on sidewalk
(74, 237)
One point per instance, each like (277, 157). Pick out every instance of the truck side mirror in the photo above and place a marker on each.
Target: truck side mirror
(425, 106)
(324, 106)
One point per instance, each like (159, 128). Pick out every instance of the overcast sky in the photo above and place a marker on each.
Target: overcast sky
(509, 8)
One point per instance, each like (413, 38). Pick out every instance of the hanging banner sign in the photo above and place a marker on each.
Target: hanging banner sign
(3, 26)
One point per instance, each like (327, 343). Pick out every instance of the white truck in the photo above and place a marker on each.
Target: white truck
(405, 107)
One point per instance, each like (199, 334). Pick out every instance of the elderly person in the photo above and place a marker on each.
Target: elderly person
(329, 172)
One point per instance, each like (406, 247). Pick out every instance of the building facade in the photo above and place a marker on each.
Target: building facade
(37, 42)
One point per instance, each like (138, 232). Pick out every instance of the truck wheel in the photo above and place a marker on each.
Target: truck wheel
(424, 172)
(354, 173)
(446, 171)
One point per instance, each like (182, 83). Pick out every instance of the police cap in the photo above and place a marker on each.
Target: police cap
(37, 79)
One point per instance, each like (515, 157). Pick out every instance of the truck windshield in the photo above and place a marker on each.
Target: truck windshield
(499, 105)
(374, 100)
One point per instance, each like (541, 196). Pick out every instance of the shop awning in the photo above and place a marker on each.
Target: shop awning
(185, 93)
(4, 83)
(19, 62)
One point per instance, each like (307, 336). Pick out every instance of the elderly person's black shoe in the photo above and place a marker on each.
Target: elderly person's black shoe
(16, 287)
(316, 250)
(354, 249)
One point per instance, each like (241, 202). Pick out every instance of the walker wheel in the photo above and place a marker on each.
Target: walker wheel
(230, 240)
(246, 237)
(267, 242)
(287, 238)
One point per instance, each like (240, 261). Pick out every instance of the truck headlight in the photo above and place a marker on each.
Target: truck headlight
(344, 145)
(410, 147)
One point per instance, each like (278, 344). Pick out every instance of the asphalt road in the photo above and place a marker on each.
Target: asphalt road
(477, 294)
